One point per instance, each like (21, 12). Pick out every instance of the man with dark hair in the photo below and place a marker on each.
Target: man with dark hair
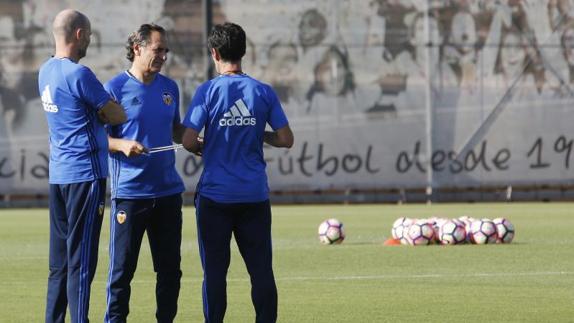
(75, 105)
(232, 195)
(146, 189)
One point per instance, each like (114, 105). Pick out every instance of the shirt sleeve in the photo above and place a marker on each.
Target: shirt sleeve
(114, 131)
(197, 114)
(176, 116)
(89, 89)
(277, 118)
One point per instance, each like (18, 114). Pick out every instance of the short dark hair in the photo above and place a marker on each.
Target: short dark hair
(229, 40)
(141, 37)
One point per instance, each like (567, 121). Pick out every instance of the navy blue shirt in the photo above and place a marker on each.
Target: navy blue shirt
(234, 110)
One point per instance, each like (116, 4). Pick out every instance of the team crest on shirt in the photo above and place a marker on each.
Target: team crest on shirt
(167, 98)
(101, 209)
(121, 217)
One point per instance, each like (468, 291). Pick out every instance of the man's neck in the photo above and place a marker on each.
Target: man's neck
(142, 76)
(230, 68)
(67, 53)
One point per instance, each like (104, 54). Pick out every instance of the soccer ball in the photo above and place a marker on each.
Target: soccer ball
(467, 221)
(437, 223)
(398, 231)
(483, 231)
(331, 232)
(420, 233)
(406, 226)
(452, 232)
(504, 230)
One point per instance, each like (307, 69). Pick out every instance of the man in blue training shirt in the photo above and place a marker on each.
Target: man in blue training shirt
(232, 194)
(146, 189)
(76, 106)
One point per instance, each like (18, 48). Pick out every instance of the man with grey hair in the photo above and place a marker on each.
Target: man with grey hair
(146, 188)
(76, 106)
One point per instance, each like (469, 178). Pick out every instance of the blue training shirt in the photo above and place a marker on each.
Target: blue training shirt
(71, 96)
(151, 111)
(234, 110)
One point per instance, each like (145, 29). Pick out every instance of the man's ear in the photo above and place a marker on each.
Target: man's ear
(137, 49)
(215, 54)
(79, 33)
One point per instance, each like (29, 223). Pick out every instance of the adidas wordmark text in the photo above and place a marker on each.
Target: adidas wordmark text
(238, 115)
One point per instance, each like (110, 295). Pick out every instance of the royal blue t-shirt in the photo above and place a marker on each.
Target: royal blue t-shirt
(151, 111)
(234, 110)
(71, 96)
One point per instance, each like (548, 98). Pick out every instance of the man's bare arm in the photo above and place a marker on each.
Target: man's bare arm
(282, 137)
(112, 113)
(192, 142)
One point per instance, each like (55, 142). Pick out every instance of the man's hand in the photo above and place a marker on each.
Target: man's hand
(132, 148)
(102, 117)
(192, 142)
(200, 151)
(127, 147)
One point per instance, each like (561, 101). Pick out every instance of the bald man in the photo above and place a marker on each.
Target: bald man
(76, 106)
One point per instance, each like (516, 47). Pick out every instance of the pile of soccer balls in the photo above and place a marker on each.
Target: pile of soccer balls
(417, 232)
(435, 230)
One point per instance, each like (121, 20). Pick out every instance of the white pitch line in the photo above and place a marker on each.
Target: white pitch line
(339, 278)
(401, 277)
(384, 277)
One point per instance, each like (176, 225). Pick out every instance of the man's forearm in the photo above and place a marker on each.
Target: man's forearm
(273, 139)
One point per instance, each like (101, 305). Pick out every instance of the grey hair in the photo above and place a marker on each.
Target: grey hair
(141, 37)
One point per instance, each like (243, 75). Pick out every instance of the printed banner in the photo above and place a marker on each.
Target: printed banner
(380, 94)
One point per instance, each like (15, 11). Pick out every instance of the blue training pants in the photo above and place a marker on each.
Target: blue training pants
(250, 223)
(161, 218)
(76, 213)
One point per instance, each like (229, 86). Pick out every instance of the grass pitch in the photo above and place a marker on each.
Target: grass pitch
(530, 280)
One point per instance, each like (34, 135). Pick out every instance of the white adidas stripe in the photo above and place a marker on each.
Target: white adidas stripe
(243, 108)
(239, 109)
(46, 96)
(235, 112)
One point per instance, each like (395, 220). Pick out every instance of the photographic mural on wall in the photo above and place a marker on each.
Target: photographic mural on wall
(380, 93)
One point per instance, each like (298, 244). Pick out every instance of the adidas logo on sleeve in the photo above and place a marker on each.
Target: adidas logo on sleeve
(238, 115)
(47, 102)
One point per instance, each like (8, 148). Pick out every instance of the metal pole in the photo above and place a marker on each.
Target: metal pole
(208, 18)
(428, 105)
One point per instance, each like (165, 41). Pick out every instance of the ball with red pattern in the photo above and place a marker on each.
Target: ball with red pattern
(504, 230)
(483, 231)
(331, 232)
(420, 233)
(452, 232)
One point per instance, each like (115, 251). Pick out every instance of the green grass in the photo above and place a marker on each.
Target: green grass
(530, 280)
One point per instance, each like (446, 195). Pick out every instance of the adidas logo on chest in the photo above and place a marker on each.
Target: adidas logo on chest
(238, 115)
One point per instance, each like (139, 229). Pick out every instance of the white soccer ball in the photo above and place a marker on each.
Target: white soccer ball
(467, 223)
(398, 230)
(504, 230)
(331, 232)
(452, 232)
(406, 226)
(437, 223)
(483, 231)
(420, 233)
